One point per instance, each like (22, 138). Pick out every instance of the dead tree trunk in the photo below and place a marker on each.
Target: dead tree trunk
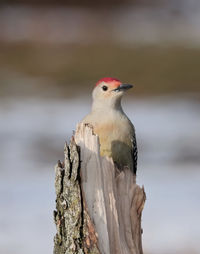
(98, 207)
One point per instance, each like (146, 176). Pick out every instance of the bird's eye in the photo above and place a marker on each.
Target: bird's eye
(105, 88)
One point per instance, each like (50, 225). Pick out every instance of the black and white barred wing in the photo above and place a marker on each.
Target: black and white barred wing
(134, 153)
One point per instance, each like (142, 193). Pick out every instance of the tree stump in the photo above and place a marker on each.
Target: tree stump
(98, 207)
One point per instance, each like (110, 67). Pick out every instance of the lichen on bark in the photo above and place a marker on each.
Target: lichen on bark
(75, 231)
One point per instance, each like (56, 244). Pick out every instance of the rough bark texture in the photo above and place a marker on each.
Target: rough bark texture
(75, 231)
(98, 207)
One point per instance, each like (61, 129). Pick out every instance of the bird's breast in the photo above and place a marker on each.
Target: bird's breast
(115, 140)
(115, 133)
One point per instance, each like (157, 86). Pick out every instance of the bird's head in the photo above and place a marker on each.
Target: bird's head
(109, 91)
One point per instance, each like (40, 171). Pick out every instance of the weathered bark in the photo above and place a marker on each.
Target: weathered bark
(75, 231)
(98, 207)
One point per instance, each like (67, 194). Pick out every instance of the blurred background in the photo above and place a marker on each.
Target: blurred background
(51, 55)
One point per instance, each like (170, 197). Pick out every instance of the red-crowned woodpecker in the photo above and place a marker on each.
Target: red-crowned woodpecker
(116, 132)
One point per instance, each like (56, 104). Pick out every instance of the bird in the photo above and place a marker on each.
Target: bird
(116, 132)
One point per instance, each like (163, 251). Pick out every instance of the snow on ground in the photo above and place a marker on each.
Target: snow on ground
(32, 134)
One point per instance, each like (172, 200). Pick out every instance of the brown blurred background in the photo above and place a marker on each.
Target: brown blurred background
(66, 44)
(51, 55)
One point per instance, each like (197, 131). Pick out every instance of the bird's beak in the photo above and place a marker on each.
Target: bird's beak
(123, 87)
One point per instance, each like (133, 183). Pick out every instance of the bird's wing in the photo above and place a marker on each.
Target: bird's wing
(134, 153)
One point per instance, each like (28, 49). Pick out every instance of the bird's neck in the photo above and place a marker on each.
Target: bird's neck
(106, 107)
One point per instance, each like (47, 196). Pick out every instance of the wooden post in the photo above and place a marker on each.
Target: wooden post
(98, 207)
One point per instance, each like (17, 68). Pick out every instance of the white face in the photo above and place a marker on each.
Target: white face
(110, 91)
